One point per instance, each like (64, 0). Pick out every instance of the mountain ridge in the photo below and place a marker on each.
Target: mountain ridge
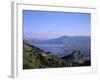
(68, 44)
(60, 39)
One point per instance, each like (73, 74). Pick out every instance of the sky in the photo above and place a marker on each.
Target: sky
(48, 25)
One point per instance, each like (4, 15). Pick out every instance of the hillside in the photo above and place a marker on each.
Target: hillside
(34, 58)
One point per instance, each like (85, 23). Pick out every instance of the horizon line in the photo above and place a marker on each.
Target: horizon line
(59, 37)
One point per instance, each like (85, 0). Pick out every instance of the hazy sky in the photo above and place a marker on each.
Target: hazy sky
(46, 25)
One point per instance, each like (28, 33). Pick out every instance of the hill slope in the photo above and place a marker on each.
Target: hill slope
(34, 57)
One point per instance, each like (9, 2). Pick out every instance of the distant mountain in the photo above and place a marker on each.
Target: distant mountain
(34, 58)
(63, 40)
(64, 45)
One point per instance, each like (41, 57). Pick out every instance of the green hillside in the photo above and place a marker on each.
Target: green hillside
(34, 58)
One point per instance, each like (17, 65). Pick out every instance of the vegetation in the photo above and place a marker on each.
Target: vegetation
(34, 58)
